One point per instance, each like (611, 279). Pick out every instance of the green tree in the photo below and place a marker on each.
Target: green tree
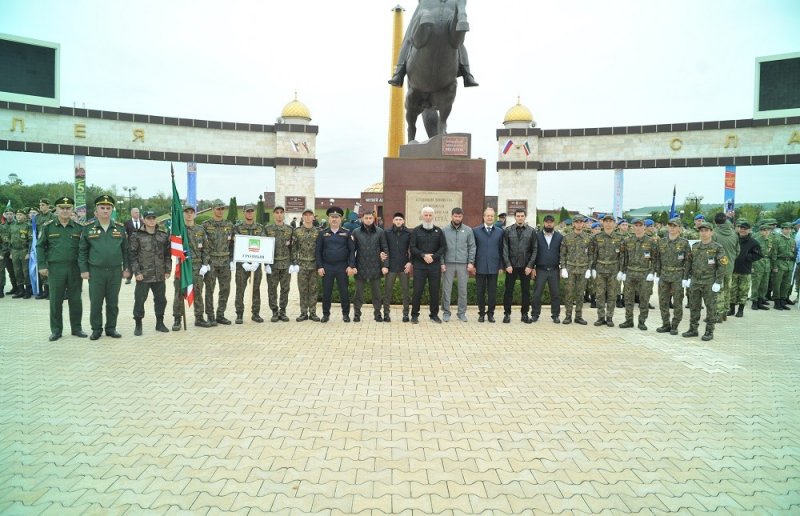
(663, 218)
(260, 210)
(233, 210)
(786, 211)
(749, 212)
(563, 214)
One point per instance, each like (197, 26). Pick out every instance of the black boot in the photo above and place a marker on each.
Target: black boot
(783, 304)
(731, 309)
(160, 325)
(762, 304)
(18, 293)
(755, 306)
(469, 80)
(44, 294)
(138, 329)
(708, 335)
(176, 325)
(28, 292)
(239, 318)
(399, 75)
(740, 311)
(789, 302)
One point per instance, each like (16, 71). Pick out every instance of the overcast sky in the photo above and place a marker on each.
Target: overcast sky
(573, 63)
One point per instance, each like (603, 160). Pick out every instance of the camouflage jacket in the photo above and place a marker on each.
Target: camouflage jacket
(607, 252)
(219, 236)
(640, 255)
(784, 253)
(708, 263)
(150, 254)
(674, 259)
(304, 247)
(198, 243)
(5, 236)
(768, 250)
(574, 253)
(19, 240)
(283, 235)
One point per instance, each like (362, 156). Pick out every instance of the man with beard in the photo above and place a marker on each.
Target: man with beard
(459, 260)
(371, 251)
(398, 239)
(546, 269)
(428, 247)
(519, 255)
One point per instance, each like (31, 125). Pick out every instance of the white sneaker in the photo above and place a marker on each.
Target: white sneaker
(462, 318)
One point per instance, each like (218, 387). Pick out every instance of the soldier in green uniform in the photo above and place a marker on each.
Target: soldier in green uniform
(151, 262)
(785, 252)
(672, 267)
(20, 244)
(278, 272)
(57, 254)
(624, 229)
(304, 259)
(706, 273)
(197, 252)
(761, 269)
(45, 215)
(639, 258)
(574, 258)
(773, 235)
(220, 249)
(606, 252)
(102, 255)
(5, 256)
(243, 270)
(725, 235)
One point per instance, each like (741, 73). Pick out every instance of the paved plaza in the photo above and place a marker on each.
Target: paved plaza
(375, 418)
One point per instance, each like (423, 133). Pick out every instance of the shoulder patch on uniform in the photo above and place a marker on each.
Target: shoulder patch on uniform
(724, 260)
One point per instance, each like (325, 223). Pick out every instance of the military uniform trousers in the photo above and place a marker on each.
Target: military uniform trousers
(358, 299)
(782, 279)
(637, 285)
(724, 297)
(21, 270)
(283, 278)
(607, 288)
(7, 264)
(574, 288)
(218, 274)
(140, 293)
(336, 273)
(197, 287)
(454, 271)
(525, 290)
(241, 284)
(670, 290)
(104, 285)
(700, 295)
(65, 280)
(740, 288)
(389, 291)
(307, 290)
(759, 283)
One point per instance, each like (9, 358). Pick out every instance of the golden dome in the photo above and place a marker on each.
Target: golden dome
(376, 188)
(518, 113)
(296, 109)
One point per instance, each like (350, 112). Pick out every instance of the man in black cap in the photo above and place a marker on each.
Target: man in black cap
(336, 260)
(151, 262)
(398, 239)
(428, 246)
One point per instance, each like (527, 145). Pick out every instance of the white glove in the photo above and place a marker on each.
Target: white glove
(246, 266)
(650, 277)
(655, 278)
(686, 283)
(716, 287)
(269, 269)
(233, 266)
(294, 269)
(620, 276)
(204, 270)
(564, 273)
(588, 274)
(594, 273)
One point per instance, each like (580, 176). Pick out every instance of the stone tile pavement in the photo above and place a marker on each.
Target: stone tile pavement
(371, 418)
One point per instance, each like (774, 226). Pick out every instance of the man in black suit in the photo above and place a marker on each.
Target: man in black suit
(131, 227)
(546, 270)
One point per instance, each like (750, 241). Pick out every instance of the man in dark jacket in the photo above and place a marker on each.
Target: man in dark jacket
(371, 251)
(428, 246)
(151, 262)
(488, 264)
(398, 240)
(749, 252)
(519, 255)
(336, 260)
(546, 270)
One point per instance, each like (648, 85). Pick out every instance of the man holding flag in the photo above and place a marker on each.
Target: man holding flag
(180, 249)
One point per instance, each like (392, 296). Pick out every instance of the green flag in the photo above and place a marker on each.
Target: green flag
(179, 246)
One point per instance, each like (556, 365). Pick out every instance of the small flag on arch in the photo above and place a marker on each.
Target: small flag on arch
(507, 147)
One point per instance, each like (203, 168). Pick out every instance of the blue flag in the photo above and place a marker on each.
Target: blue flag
(672, 212)
(33, 265)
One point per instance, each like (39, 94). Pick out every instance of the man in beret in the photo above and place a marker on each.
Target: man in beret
(20, 245)
(672, 267)
(749, 253)
(335, 260)
(305, 262)
(151, 264)
(706, 273)
(57, 253)
(219, 233)
(103, 261)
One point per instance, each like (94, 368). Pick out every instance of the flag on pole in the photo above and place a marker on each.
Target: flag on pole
(179, 246)
(8, 208)
(33, 262)
(507, 147)
(672, 212)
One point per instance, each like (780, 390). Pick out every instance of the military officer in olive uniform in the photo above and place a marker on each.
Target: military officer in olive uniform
(57, 253)
(278, 272)
(759, 281)
(672, 267)
(243, 270)
(575, 267)
(20, 245)
(638, 272)
(198, 245)
(706, 273)
(606, 253)
(44, 216)
(220, 250)
(151, 262)
(102, 256)
(304, 251)
(5, 254)
(785, 252)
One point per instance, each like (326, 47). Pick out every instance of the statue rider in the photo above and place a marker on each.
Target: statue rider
(418, 19)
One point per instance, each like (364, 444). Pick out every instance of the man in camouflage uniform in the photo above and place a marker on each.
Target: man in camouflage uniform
(5, 254)
(219, 233)
(606, 254)
(251, 228)
(45, 215)
(198, 252)
(304, 259)
(151, 262)
(575, 267)
(706, 274)
(20, 244)
(624, 229)
(725, 235)
(278, 272)
(57, 253)
(639, 257)
(672, 267)
(761, 269)
(785, 252)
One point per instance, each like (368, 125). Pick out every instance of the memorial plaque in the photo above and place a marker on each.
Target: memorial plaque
(455, 146)
(441, 202)
(295, 203)
(516, 204)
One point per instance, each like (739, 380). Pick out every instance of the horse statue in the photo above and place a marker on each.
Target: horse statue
(432, 56)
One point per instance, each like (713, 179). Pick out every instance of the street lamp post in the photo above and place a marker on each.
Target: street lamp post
(131, 190)
(696, 199)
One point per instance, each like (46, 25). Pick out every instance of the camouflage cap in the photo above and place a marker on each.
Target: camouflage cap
(187, 207)
(219, 204)
(249, 207)
(786, 225)
(764, 227)
(705, 225)
(608, 216)
(637, 221)
(674, 221)
(744, 223)
(308, 210)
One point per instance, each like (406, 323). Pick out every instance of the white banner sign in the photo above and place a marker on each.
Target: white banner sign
(256, 249)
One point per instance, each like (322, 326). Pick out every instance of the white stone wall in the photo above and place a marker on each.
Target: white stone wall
(517, 184)
(294, 181)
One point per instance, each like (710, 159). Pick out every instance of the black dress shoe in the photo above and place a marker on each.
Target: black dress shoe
(415, 320)
(325, 318)
(345, 318)
(405, 318)
(526, 319)
(490, 318)
(95, 335)
(506, 318)
(356, 318)
(534, 318)
(481, 318)
(54, 337)
(556, 320)
(436, 319)
(79, 333)
(113, 334)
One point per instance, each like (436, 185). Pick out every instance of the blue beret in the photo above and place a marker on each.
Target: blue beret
(595, 225)
(648, 222)
(699, 216)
